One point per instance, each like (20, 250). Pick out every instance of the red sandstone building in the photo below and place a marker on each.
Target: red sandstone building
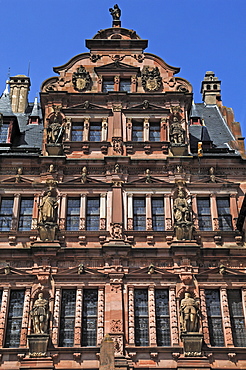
(120, 203)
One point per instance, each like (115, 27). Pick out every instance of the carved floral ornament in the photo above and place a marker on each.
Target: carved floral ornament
(151, 78)
(81, 79)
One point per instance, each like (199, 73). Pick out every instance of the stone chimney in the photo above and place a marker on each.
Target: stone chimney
(19, 88)
(210, 89)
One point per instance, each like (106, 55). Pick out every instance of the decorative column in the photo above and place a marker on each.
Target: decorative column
(117, 83)
(146, 129)
(214, 212)
(68, 129)
(226, 318)
(131, 325)
(133, 84)
(173, 318)
(3, 317)
(129, 129)
(103, 211)
(117, 143)
(86, 129)
(78, 318)
(63, 211)
(152, 323)
(130, 212)
(104, 129)
(195, 211)
(99, 83)
(100, 322)
(16, 210)
(205, 328)
(56, 317)
(25, 317)
(148, 212)
(82, 211)
(35, 212)
(234, 210)
(163, 128)
(168, 214)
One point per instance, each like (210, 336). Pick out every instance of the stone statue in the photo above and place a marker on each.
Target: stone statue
(84, 175)
(189, 314)
(183, 225)
(48, 208)
(147, 176)
(176, 132)
(115, 12)
(55, 131)
(40, 315)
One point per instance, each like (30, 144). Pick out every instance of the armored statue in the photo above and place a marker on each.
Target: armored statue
(176, 132)
(48, 207)
(183, 224)
(189, 314)
(40, 315)
(115, 12)
(55, 130)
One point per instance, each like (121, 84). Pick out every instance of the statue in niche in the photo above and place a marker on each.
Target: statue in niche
(40, 315)
(151, 78)
(115, 12)
(48, 207)
(176, 132)
(55, 130)
(189, 314)
(183, 224)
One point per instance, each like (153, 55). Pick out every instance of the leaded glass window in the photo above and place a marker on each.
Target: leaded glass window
(67, 318)
(154, 131)
(224, 213)
(108, 85)
(89, 320)
(4, 132)
(137, 131)
(77, 131)
(158, 219)
(237, 317)
(213, 305)
(14, 320)
(93, 214)
(125, 85)
(204, 214)
(95, 131)
(6, 213)
(141, 317)
(73, 214)
(162, 317)
(139, 214)
(25, 217)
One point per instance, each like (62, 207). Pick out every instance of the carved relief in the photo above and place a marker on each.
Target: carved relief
(204, 316)
(25, 317)
(116, 230)
(130, 224)
(173, 317)
(116, 326)
(56, 316)
(100, 323)
(3, 314)
(118, 345)
(102, 223)
(81, 79)
(78, 318)
(152, 323)
(151, 78)
(226, 317)
(131, 316)
(117, 145)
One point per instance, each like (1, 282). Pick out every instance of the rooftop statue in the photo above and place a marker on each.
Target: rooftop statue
(115, 12)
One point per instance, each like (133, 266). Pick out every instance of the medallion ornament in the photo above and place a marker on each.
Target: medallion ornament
(151, 78)
(81, 79)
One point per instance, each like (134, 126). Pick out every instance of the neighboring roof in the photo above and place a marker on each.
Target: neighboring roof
(31, 134)
(5, 103)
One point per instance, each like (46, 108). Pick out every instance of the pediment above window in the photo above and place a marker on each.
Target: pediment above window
(117, 68)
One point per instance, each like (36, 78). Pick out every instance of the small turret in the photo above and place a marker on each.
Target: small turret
(19, 88)
(210, 89)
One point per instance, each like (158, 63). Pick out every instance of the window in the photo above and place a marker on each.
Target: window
(89, 319)
(93, 213)
(224, 213)
(6, 213)
(14, 320)
(139, 214)
(95, 131)
(73, 214)
(25, 218)
(204, 214)
(237, 317)
(158, 219)
(154, 131)
(141, 317)
(4, 132)
(162, 317)
(108, 85)
(137, 131)
(77, 131)
(214, 317)
(67, 319)
(125, 85)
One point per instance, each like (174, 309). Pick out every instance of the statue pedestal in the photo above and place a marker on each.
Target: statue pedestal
(38, 344)
(179, 149)
(192, 344)
(47, 231)
(54, 149)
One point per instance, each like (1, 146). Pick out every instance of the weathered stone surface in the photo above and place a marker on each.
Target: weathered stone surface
(107, 354)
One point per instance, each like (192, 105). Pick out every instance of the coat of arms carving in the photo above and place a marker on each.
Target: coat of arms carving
(151, 78)
(81, 79)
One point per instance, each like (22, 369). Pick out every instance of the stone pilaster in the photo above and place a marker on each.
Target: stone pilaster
(205, 328)
(82, 211)
(152, 321)
(173, 318)
(146, 130)
(78, 318)
(131, 326)
(25, 317)
(226, 318)
(3, 317)
(100, 323)
(56, 316)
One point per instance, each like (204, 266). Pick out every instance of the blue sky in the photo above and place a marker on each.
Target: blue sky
(195, 35)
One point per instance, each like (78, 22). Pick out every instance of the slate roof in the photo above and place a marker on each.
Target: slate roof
(5, 104)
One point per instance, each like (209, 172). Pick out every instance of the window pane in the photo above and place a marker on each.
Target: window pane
(158, 219)
(214, 317)
(108, 86)
(237, 317)
(204, 214)
(141, 317)
(224, 213)
(77, 132)
(14, 320)
(95, 131)
(93, 214)
(67, 319)
(137, 131)
(4, 132)
(25, 218)
(125, 85)
(139, 214)
(89, 321)
(6, 212)
(154, 131)
(162, 317)
(73, 214)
